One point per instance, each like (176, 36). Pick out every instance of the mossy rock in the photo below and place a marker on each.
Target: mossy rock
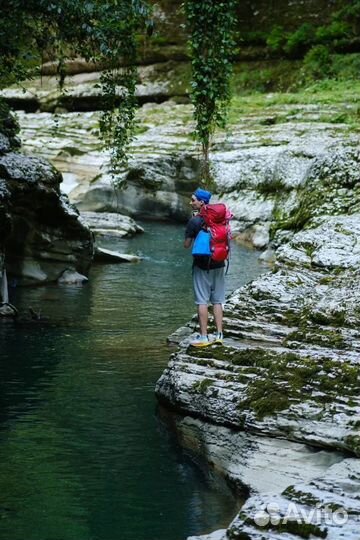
(318, 336)
(353, 443)
(203, 385)
(285, 379)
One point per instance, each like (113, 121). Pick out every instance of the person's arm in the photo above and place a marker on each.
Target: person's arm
(188, 242)
(192, 228)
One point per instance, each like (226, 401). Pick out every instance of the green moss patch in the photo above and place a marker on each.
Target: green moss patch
(353, 442)
(284, 379)
(318, 336)
(300, 497)
(203, 385)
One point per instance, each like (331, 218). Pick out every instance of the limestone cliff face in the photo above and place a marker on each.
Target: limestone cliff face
(41, 234)
(289, 368)
(290, 365)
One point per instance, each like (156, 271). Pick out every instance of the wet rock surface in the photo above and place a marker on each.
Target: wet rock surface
(252, 464)
(327, 507)
(82, 91)
(293, 492)
(109, 256)
(161, 173)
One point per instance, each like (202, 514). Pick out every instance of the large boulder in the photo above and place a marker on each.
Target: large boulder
(42, 233)
(108, 225)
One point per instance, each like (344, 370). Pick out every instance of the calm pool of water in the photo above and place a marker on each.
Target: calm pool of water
(83, 453)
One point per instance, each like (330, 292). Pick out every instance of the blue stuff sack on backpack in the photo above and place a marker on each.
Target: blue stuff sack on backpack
(202, 244)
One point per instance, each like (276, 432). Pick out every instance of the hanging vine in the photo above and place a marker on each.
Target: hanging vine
(118, 81)
(101, 31)
(211, 29)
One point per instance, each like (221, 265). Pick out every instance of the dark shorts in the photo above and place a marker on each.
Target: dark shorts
(209, 285)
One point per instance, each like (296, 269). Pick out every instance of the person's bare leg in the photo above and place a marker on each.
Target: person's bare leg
(203, 318)
(218, 316)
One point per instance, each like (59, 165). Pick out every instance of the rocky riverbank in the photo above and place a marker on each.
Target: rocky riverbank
(42, 236)
(292, 490)
(290, 365)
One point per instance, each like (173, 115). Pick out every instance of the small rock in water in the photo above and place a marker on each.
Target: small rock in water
(108, 256)
(7, 310)
(268, 256)
(111, 224)
(70, 277)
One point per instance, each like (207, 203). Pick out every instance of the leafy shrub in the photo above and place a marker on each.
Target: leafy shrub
(336, 30)
(346, 66)
(277, 39)
(300, 41)
(318, 63)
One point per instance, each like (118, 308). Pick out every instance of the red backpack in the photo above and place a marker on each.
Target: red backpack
(216, 218)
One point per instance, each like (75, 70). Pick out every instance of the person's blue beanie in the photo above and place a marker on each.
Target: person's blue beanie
(203, 195)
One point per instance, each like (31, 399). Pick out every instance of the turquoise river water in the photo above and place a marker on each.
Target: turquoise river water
(84, 454)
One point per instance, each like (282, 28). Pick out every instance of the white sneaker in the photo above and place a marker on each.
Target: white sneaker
(201, 341)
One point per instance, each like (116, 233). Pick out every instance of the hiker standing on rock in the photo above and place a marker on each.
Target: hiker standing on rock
(208, 234)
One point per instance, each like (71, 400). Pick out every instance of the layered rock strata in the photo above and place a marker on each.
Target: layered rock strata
(293, 491)
(290, 365)
(265, 167)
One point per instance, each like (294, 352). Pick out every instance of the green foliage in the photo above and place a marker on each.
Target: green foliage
(211, 38)
(341, 34)
(277, 39)
(346, 66)
(351, 14)
(300, 41)
(102, 31)
(268, 75)
(294, 44)
(317, 63)
(203, 385)
(336, 30)
(8, 123)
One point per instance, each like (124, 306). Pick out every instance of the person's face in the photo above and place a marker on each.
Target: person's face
(195, 203)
